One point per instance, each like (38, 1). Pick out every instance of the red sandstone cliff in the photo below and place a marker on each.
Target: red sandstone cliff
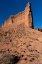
(19, 43)
(24, 16)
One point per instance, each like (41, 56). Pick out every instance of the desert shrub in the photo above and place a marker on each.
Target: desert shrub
(9, 59)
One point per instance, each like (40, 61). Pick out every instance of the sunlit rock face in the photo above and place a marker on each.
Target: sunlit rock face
(24, 16)
(19, 43)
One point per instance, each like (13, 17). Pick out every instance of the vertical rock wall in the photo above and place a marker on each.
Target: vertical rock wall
(24, 16)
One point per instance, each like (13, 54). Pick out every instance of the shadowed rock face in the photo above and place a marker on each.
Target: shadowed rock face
(24, 16)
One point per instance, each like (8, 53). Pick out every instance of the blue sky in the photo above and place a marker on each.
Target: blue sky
(12, 7)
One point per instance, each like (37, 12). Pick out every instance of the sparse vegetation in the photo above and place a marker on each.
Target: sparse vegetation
(32, 59)
(9, 59)
(25, 58)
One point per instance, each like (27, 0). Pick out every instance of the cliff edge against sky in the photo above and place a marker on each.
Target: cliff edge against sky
(19, 43)
(24, 16)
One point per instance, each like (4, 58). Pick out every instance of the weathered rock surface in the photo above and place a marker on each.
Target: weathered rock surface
(24, 16)
(19, 43)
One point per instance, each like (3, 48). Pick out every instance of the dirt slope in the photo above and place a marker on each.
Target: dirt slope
(20, 45)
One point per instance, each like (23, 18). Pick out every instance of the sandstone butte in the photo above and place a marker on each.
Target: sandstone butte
(20, 42)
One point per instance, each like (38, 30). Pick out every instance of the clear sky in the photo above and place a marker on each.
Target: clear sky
(11, 7)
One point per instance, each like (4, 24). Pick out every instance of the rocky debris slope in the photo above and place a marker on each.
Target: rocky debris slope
(20, 45)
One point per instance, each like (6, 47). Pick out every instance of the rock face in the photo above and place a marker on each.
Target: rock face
(19, 43)
(24, 16)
